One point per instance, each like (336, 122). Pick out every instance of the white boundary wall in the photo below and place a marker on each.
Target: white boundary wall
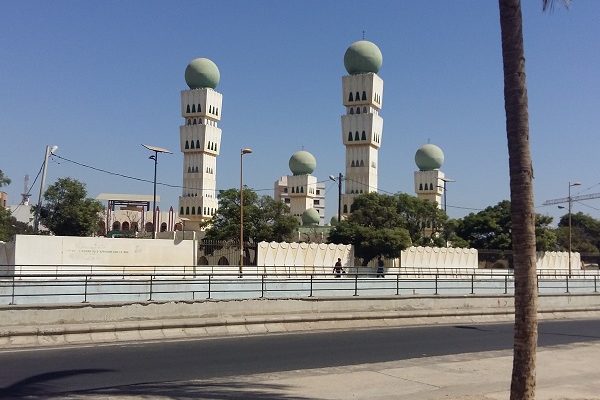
(285, 258)
(33, 253)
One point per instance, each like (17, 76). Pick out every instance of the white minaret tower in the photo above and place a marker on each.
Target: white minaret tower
(302, 187)
(362, 126)
(429, 180)
(200, 141)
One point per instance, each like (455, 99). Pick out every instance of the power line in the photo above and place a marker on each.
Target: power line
(30, 187)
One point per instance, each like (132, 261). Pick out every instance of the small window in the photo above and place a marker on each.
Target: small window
(301, 189)
(163, 227)
(318, 192)
(189, 169)
(199, 108)
(356, 137)
(187, 110)
(364, 136)
(187, 144)
(181, 211)
(287, 200)
(197, 144)
(349, 136)
(189, 121)
(353, 165)
(357, 97)
(293, 190)
(193, 108)
(364, 95)
(285, 190)
(193, 210)
(345, 208)
(362, 164)
(316, 202)
(350, 98)
(358, 110)
(191, 144)
(364, 110)
(351, 111)
(187, 211)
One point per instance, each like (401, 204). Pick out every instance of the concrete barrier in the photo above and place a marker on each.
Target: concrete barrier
(109, 322)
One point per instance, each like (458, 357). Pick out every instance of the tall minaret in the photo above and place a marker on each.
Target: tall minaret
(200, 140)
(429, 180)
(362, 126)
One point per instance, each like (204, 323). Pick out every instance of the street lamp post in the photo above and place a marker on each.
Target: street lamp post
(339, 182)
(445, 180)
(242, 152)
(570, 201)
(49, 151)
(154, 157)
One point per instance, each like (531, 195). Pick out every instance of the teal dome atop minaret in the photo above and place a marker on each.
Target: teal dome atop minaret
(302, 163)
(202, 73)
(429, 157)
(363, 57)
(310, 217)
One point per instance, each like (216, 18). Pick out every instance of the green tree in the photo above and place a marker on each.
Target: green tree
(585, 233)
(66, 210)
(374, 228)
(264, 218)
(423, 219)
(4, 180)
(491, 228)
(9, 226)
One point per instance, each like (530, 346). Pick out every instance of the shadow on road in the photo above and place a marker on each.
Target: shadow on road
(222, 390)
(37, 386)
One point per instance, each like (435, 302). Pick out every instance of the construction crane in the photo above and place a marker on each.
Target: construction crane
(570, 199)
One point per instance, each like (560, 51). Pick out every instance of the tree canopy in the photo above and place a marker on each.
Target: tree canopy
(264, 218)
(4, 180)
(585, 233)
(9, 226)
(66, 210)
(491, 228)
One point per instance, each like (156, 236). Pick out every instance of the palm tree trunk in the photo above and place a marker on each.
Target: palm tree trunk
(521, 194)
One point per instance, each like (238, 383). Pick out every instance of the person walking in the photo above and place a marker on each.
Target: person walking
(338, 269)
(380, 267)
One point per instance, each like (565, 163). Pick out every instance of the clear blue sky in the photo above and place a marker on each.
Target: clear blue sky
(100, 78)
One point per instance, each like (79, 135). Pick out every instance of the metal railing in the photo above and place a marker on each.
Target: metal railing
(142, 287)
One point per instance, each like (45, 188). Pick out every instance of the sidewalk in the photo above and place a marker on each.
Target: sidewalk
(564, 372)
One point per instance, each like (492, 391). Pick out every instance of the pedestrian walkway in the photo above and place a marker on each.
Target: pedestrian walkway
(568, 372)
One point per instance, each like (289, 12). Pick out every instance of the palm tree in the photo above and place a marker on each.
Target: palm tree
(4, 180)
(521, 196)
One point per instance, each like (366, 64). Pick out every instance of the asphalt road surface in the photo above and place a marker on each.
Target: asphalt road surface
(35, 372)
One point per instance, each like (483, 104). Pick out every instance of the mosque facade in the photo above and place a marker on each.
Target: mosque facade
(362, 124)
(429, 179)
(200, 142)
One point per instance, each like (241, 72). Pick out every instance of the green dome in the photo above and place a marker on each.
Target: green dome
(310, 217)
(202, 73)
(429, 157)
(302, 163)
(363, 57)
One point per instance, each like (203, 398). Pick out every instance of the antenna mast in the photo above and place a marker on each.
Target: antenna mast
(25, 195)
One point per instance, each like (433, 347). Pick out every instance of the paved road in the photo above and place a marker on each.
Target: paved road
(63, 370)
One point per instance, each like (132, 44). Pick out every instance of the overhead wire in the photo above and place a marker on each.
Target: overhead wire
(30, 188)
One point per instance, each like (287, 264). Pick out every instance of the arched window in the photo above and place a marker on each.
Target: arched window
(191, 144)
(420, 186)
(301, 189)
(431, 186)
(208, 145)
(189, 169)
(195, 121)
(202, 260)
(199, 108)
(215, 147)
(364, 110)
(217, 112)
(350, 98)
(181, 211)
(364, 95)
(358, 110)
(353, 164)
(293, 190)
(223, 261)
(351, 111)
(116, 226)
(163, 227)
(362, 164)
(364, 136)
(193, 108)
(345, 208)
(187, 211)
(197, 143)
(356, 137)
(357, 97)
(210, 109)
(349, 136)
(134, 226)
(187, 110)
(149, 227)
(187, 144)
(189, 121)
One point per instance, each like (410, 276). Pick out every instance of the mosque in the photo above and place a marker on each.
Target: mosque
(362, 134)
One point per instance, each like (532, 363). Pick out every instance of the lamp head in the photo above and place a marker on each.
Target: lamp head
(246, 150)
(332, 178)
(575, 184)
(53, 149)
